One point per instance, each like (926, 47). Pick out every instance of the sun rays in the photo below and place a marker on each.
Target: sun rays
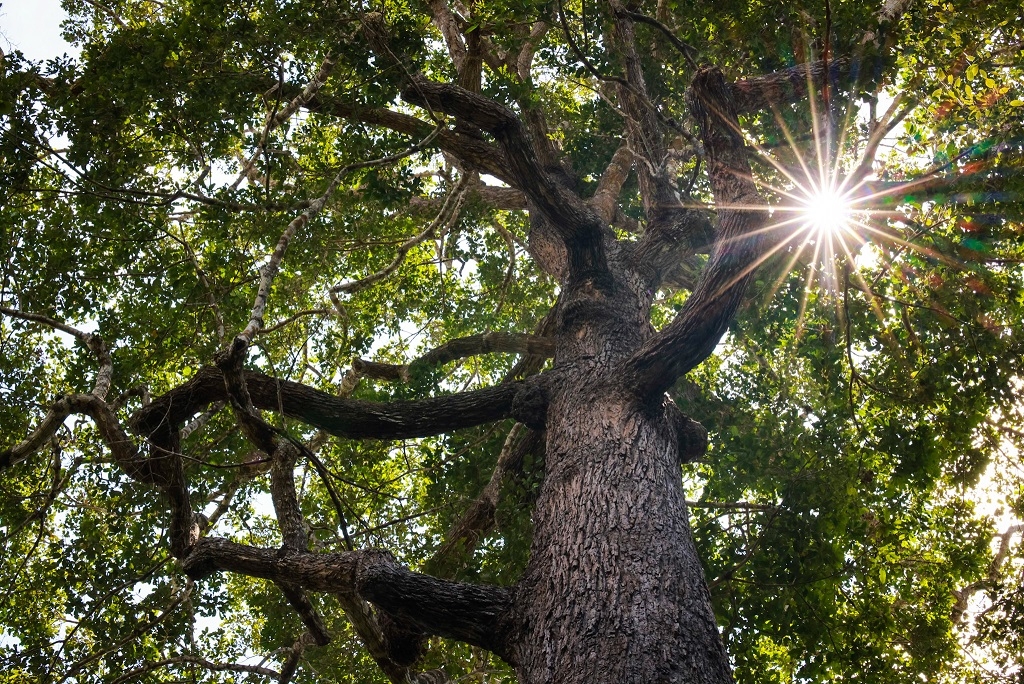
(824, 207)
(826, 211)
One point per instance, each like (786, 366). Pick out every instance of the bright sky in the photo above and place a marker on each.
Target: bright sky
(33, 26)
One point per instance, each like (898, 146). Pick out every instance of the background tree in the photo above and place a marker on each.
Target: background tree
(284, 284)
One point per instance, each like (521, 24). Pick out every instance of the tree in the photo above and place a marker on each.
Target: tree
(250, 216)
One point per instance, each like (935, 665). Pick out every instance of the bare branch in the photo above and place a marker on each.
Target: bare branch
(91, 341)
(82, 337)
(786, 86)
(469, 613)
(673, 230)
(897, 112)
(485, 343)
(439, 226)
(794, 84)
(338, 416)
(394, 653)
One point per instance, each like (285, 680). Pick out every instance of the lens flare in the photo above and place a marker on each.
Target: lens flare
(827, 211)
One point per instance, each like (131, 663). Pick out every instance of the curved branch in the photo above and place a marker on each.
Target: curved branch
(196, 661)
(46, 429)
(575, 219)
(475, 153)
(687, 51)
(447, 216)
(963, 596)
(692, 336)
(785, 86)
(473, 345)
(576, 223)
(470, 613)
(793, 84)
(342, 417)
(524, 60)
(93, 342)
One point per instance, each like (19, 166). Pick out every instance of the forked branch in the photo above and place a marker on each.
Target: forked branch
(576, 223)
(693, 334)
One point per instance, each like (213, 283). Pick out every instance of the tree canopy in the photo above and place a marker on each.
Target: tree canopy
(287, 290)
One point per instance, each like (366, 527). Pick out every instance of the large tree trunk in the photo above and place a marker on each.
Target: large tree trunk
(614, 591)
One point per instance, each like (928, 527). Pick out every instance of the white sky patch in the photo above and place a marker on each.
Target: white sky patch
(33, 26)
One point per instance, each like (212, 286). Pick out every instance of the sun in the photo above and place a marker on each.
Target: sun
(826, 211)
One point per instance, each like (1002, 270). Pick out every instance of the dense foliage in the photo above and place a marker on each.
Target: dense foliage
(858, 508)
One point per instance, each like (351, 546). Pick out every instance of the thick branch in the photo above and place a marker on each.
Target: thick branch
(606, 198)
(577, 224)
(643, 127)
(475, 153)
(293, 533)
(692, 336)
(465, 612)
(674, 234)
(494, 196)
(673, 231)
(446, 22)
(524, 61)
(575, 221)
(784, 87)
(338, 416)
(162, 470)
(794, 84)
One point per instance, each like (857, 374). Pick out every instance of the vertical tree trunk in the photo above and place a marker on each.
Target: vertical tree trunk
(614, 591)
